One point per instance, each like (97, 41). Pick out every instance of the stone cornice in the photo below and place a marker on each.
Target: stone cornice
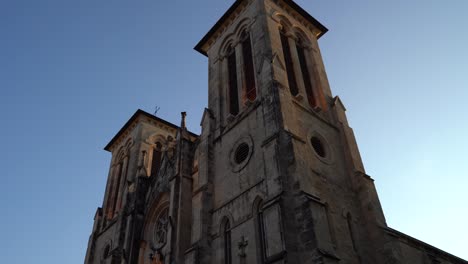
(233, 12)
(142, 116)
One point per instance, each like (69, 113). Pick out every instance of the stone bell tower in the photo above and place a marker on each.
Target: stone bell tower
(275, 175)
(285, 178)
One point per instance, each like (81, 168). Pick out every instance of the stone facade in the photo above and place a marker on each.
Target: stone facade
(275, 175)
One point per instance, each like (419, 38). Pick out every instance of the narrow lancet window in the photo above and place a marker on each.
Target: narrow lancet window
(305, 73)
(112, 193)
(156, 162)
(117, 190)
(250, 90)
(289, 64)
(227, 243)
(261, 233)
(233, 90)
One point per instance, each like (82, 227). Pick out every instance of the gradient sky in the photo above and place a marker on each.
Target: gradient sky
(73, 72)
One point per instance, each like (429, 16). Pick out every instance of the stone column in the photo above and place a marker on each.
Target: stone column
(240, 76)
(297, 67)
(315, 78)
(224, 109)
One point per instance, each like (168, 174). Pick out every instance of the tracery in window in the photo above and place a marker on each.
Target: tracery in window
(161, 228)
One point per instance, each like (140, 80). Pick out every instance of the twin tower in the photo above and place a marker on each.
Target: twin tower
(275, 175)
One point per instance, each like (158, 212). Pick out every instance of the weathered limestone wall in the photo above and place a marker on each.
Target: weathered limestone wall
(137, 138)
(236, 187)
(329, 210)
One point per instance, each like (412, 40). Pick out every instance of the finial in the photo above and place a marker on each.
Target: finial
(182, 124)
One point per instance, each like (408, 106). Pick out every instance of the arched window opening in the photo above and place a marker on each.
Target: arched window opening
(227, 242)
(305, 73)
(289, 63)
(113, 191)
(318, 146)
(233, 89)
(250, 89)
(106, 252)
(261, 233)
(156, 161)
(115, 196)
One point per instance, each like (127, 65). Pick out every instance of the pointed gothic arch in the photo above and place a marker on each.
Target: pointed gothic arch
(242, 26)
(224, 47)
(156, 228)
(116, 186)
(158, 144)
(283, 22)
(225, 234)
(257, 212)
(105, 251)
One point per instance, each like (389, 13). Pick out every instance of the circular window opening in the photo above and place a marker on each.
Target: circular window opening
(318, 146)
(242, 152)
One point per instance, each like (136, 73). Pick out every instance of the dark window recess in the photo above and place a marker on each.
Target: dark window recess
(318, 146)
(106, 252)
(233, 93)
(156, 162)
(242, 152)
(305, 75)
(250, 90)
(261, 234)
(227, 243)
(289, 65)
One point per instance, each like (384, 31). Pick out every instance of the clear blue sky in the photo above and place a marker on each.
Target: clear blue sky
(73, 72)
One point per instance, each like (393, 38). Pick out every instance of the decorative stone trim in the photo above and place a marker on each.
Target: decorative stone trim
(227, 24)
(314, 113)
(296, 16)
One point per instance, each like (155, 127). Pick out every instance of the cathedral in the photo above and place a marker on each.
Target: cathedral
(275, 176)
